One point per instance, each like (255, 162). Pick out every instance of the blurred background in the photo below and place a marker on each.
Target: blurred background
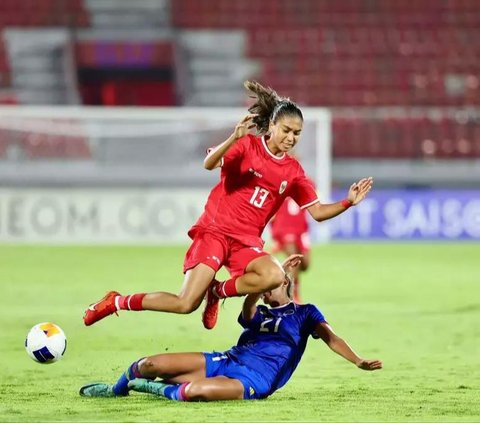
(109, 105)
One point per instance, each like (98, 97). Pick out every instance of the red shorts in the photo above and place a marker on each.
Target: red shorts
(216, 250)
(301, 241)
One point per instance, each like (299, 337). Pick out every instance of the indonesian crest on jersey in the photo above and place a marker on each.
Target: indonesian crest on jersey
(283, 186)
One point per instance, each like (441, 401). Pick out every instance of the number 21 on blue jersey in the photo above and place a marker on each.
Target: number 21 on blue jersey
(270, 325)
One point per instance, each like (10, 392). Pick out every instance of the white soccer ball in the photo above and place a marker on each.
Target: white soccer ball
(46, 343)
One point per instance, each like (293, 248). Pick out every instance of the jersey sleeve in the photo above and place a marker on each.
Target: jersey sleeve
(303, 191)
(243, 323)
(313, 317)
(235, 152)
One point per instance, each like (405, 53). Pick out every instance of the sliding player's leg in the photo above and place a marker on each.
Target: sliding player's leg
(209, 389)
(223, 379)
(177, 368)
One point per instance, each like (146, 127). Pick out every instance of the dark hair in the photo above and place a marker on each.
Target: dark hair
(269, 106)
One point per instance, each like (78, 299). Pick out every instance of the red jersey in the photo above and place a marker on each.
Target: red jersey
(289, 219)
(253, 185)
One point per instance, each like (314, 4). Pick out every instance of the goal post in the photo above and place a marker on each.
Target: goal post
(77, 148)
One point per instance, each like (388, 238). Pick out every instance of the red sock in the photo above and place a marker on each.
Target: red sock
(182, 394)
(226, 289)
(130, 302)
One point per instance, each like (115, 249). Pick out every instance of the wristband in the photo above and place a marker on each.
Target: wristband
(346, 203)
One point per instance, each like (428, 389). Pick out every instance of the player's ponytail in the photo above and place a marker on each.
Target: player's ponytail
(269, 106)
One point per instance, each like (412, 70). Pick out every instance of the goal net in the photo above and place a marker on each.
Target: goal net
(106, 154)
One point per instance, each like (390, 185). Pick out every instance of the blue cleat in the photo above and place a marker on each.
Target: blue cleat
(97, 390)
(147, 386)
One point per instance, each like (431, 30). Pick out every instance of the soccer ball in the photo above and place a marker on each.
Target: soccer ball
(46, 343)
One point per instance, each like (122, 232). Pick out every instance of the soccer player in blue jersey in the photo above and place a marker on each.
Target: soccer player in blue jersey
(267, 353)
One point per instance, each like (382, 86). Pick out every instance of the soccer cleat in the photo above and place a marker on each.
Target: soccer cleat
(210, 313)
(147, 386)
(103, 308)
(97, 390)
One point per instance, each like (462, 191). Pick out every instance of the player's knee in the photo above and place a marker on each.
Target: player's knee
(148, 367)
(197, 391)
(273, 277)
(188, 305)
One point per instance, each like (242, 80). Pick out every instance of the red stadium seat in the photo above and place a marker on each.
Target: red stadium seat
(397, 40)
(41, 13)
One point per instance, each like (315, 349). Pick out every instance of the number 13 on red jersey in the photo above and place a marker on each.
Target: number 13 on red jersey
(259, 196)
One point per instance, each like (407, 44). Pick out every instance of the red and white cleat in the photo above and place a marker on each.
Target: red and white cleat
(103, 308)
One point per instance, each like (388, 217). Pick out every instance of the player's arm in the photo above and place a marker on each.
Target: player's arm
(357, 192)
(250, 306)
(338, 345)
(214, 157)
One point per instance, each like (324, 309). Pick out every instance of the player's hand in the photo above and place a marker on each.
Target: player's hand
(244, 126)
(359, 190)
(370, 364)
(292, 261)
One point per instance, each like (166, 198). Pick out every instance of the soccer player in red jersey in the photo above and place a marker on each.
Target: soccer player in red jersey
(256, 176)
(290, 233)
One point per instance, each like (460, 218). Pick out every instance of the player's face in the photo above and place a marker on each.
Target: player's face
(276, 297)
(285, 134)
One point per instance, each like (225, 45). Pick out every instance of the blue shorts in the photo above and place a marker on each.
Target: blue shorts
(254, 384)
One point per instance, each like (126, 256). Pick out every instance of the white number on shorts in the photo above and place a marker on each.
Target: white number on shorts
(259, 196)
(274, 328)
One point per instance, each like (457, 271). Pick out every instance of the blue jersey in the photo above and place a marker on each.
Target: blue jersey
(273, 342)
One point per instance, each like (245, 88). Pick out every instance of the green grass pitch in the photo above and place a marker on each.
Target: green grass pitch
(415, 306)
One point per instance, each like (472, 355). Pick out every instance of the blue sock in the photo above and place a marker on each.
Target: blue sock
(121, 386)
(173, 392)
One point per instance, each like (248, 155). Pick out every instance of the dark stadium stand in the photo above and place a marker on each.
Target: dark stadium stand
(4, 68)
(34, 14)
(338, 54)
(40, 13)
(404, 138)
(115, 53)
(126, 72)
(352, 53)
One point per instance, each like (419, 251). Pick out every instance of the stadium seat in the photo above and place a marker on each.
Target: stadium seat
(348, 53)
(395, 38)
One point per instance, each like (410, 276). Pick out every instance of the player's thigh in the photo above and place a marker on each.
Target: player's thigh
(175, 367)
(208, 248)
(255, 384)
(215, 389)
(240, 258)
(203, 259)
(264, 265)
